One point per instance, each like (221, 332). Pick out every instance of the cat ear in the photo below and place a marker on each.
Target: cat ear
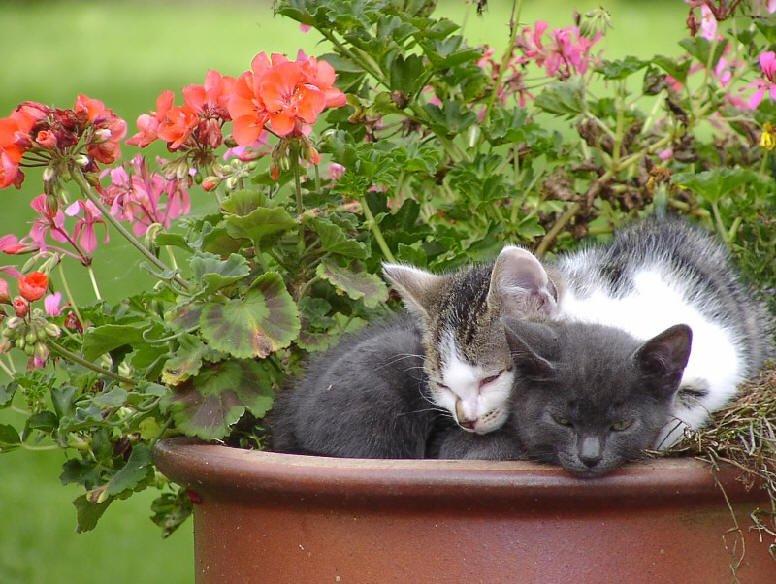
(525, 359)
(520, 286)
(665, 357)
(417, 287)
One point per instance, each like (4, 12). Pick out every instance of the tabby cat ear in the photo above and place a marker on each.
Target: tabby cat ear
(417, 287)
(525, 359)
(519, 285)
(664, 357)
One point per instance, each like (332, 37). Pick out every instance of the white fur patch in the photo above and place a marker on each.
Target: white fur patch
(485, 405)
(653, 306)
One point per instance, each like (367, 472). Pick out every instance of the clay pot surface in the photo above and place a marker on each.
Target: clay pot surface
(278, 518)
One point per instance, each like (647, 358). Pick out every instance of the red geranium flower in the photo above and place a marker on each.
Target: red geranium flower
(33, 286)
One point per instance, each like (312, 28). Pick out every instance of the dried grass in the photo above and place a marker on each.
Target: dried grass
(744, 435)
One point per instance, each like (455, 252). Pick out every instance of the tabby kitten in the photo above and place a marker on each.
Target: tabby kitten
(587, 397)
(467, 359)
(378, 394)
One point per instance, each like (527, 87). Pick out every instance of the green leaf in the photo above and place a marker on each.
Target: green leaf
(562, 98)
(44, 421)
(62, 399)
(259, 225)
(355, 282)
(210, 403)
(334, 240)
(187, 360)
(712, 185)
(244, 202)
(88, 513)
(137, 469)
(264, 321)
(406, 72)
(216, 273)
(103, 339)
(113, 399)
(6, 394)
(450, 119)
(81, 472)
(173, 239)
(9, 438)
(620, 68)
(700, 48)
(676, 69)
(170, 510)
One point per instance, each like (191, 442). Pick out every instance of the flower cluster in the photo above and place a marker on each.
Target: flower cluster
(37, 135)
(143, 198)
(285, 96)
(564, 54)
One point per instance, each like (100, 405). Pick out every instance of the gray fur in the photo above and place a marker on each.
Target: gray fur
(574, 384)
(696, 261)
(365, 398)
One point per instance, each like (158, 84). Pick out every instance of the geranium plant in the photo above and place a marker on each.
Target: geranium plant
(402, 143)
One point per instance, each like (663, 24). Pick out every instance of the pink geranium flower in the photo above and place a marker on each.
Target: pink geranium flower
(766, 85)
(84, 228)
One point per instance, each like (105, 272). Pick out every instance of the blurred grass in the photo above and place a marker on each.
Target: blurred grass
(125, 53)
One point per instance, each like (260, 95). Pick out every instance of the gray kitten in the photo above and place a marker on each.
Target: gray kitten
(364, 398)
(586, 397)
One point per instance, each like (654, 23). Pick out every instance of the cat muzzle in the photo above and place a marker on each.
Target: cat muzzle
(464, 422)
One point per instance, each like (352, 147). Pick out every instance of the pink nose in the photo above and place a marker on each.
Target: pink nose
(467, 424)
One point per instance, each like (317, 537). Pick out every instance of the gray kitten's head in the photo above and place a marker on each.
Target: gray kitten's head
(590, 398)
(467, 359)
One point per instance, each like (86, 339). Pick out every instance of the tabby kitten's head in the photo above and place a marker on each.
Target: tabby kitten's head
(590, 398)
(467, 359)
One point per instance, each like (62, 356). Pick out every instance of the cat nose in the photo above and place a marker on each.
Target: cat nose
(590, 461)
(463, 421)
(590, 451)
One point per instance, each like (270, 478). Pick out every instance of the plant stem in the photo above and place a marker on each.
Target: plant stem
(297, 180)
(69, 292)
(86, 189)
(94, 282)
(513, 22)
(557, 227)
(5, 368)
(378, 235)
(59, 349)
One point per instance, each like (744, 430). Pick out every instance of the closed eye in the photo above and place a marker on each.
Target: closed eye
(490, 379)
(623, 425)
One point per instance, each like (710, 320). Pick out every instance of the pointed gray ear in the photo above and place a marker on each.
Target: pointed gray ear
(525, 359)
(520, 286)
(664, 357)
(417, 287)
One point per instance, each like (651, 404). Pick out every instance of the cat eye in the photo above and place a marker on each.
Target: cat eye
(562, 421)
(490, 378)
(620, 426)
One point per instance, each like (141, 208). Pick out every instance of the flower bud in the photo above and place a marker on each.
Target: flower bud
(41, 351)
(29, 349)
(14, 322)
(21, 306)
(31, 336)
(82, 160)
(768, 137)
(46, 139)
(595, 22)
(5, 345)
(101, 136)
(52, 330)
(210, 183)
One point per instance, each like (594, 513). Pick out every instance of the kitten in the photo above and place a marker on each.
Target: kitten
(467, 358)
(586, 397)
(364, 398)
(379, 394)
(661, 271)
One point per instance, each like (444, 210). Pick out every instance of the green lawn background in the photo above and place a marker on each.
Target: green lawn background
(125, 53)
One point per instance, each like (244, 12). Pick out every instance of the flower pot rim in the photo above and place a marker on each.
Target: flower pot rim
(233, 473)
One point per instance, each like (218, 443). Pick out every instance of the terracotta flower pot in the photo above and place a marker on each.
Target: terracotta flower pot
(278, 518)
